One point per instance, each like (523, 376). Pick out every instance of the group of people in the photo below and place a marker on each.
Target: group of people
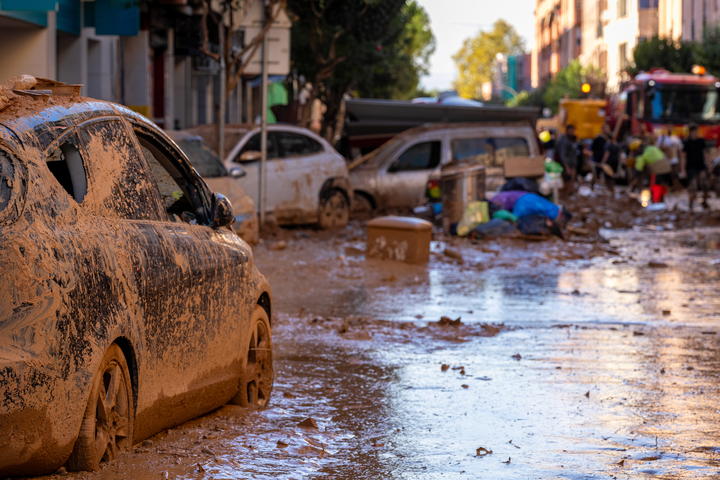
(664, 162)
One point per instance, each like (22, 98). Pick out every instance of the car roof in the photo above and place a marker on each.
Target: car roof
(38, 123)
(234, 132)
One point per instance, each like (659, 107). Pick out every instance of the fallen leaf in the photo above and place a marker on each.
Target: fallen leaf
(444, 367)
(465, 386)
(482, 451)
(637, 334)
(653, 264)
(662, 370)
(508, 460)
(308, 423)
(510, 442)
(289, 395)
(517, 356)
(281, 444)
(621, 462)
(691, 368)
(666, 312)
(588, 394)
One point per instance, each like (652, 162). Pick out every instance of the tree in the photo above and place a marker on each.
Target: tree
(396, 66)
(709, 51)
(476, 58)
(568, 83)
(666, 53)
(328, 33)
(231, 10)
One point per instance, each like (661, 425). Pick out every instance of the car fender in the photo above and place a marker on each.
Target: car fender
(337, 183)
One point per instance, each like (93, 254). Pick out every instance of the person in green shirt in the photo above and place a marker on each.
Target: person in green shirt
(651, 161)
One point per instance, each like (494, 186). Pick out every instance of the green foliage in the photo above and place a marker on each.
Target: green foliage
(528, 99)
(664, 53)
(377, 48)
(708, 53)
(476, 58)
(568, 82)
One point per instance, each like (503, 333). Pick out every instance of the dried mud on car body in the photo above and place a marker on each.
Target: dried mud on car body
(78, 277)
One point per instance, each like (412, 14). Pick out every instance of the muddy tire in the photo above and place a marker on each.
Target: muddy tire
(256, 382)
(334, 210)
(362, 203)
(107, 425)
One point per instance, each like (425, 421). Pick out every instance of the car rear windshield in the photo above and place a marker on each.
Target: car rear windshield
(489, 151)
(12, 188)
(202, 158)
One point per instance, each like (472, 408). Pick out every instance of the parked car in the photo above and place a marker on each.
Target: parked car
(396, 174)
(221, 180)
(127, 305)
(307, 180)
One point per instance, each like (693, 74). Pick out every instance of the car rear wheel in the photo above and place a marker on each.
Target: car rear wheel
(334, 210)
(107, 426)
(257, 380)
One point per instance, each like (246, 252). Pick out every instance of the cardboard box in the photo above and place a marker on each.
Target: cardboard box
(405, 239)
(530, 167)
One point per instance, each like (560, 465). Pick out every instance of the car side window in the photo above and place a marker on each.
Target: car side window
(119, 186)
(66, 165)
(181, 197)
(489, 151)
(421, 156)
(295, 144)
(254, 145)
(207, 164)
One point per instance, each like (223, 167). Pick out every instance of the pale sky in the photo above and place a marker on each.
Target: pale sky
(452, 21)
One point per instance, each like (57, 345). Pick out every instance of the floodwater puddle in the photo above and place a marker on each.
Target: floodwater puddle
(585, 368)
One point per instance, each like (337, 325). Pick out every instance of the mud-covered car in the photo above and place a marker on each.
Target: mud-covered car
(127, 305)
(396, 175)
(221, 180)
(307, 180)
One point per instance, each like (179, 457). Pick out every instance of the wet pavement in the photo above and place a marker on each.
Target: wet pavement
(578, 361)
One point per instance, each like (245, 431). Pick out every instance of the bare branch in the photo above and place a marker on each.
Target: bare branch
(206, 39)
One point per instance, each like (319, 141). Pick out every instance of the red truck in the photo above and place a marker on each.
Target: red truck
(658, 98)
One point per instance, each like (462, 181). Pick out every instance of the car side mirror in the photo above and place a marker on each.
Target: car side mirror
(222, 214)
(250, 156)
(237, 172)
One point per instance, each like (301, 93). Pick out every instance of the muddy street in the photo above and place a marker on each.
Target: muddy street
(567, 362)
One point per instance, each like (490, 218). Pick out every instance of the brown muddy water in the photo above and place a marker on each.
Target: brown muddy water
(577, 362)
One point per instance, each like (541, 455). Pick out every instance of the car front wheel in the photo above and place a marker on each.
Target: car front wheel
(334, 210)
(256, 382)
(107, 426)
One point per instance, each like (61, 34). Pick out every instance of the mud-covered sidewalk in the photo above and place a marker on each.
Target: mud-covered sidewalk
(570, 360)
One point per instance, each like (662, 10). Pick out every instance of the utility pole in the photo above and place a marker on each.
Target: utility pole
(263, 132)
(223, 95)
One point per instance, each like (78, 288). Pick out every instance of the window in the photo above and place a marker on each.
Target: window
(13, 181)
(67, 167)
(648, 4)
(206, 163)
(254, 145)
(622, 56)
(118, 186)
(680, 103)
(294, 144)
(421, 156)
(490, 152)
(181, 198)
(622, 8)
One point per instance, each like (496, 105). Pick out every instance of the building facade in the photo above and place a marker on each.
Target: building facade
(611, 29)
(145, 56)
(687, 19)
(558, 37)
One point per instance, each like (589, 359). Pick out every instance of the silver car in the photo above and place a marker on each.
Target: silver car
(396, 174)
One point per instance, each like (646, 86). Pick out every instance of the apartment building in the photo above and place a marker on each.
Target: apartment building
(146, 56)
(558, 37)
(611, 29)
(687, 19)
